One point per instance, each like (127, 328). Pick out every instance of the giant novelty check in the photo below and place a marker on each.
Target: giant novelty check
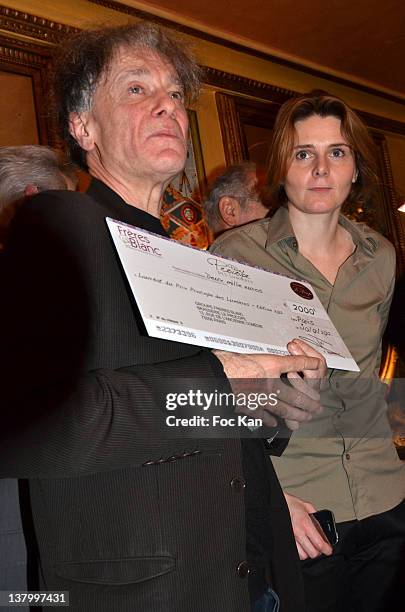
(192, 296)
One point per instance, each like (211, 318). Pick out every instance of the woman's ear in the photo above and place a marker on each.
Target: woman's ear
(355, 175)
(79, 129)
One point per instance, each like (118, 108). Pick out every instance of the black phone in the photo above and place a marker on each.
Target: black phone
(325, 519)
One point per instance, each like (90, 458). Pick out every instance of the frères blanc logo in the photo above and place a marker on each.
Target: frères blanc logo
(137, 241)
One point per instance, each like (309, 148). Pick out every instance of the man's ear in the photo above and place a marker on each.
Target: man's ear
(229, 209)
(79, 129)
(30, 190)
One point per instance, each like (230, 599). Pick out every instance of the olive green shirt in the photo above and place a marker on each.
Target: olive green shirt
(344, 459)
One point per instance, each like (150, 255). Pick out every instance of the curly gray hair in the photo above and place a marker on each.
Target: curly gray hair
(86, 56)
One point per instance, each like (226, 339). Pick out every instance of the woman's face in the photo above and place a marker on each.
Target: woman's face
(322, 167)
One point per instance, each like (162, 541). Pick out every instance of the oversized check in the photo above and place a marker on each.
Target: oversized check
(192, 296)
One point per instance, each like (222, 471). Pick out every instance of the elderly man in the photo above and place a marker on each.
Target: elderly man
(235, 198)
(26, 170)
(127, 518)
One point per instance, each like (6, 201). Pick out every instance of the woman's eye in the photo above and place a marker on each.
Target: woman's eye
(337, 153)
(136, 89)
(303, 155)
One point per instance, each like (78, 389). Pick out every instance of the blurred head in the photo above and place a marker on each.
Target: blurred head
(335, 174)
(26, 170)
(235, 198)
(120, 95)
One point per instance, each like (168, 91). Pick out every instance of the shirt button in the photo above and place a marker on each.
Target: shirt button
(238, 484)
(347, 456)
(243, 569)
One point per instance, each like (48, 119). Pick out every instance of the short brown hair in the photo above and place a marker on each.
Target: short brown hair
(354, 130)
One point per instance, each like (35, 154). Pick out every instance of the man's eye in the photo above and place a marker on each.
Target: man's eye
(177, 95)
(303, 155)
(136, 89)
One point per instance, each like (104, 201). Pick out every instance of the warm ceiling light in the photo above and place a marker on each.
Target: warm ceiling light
(402, 207)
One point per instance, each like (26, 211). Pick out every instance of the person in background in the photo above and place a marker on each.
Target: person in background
(26, 170)
(236, 197)
(322, 157)
(127, 516)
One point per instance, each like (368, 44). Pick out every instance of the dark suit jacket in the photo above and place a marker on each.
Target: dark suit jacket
(126, 517)
(13, 568)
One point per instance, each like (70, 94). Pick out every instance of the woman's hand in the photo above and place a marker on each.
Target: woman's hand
(310, 543)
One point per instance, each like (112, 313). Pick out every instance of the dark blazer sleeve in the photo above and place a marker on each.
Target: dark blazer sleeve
(107, 420)
(61, 417)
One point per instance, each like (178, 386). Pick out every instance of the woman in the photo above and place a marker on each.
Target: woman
(321, 158)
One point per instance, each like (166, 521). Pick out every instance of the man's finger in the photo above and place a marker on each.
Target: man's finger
(299, 347)
(298, 363)
(286, 411)
(306, 348)
(268, 419)
(293, 425)
(297, 398)
(302, 385)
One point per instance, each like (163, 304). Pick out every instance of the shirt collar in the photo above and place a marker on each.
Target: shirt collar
(280, 231)
(119, 209)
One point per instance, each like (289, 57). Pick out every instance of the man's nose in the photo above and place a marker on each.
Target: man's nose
(164, 104)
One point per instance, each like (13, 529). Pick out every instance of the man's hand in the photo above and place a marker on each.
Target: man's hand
(312, 378)
(296, 403)
(310, 543)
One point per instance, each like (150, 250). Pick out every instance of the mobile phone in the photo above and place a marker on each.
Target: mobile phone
(325, 521)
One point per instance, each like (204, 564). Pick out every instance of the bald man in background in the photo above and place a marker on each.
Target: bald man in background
(235, 197)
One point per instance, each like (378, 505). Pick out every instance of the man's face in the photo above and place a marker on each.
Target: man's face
(252, 211)
(138, 124)
(253, 208)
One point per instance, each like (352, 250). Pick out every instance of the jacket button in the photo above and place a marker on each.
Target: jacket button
(238, 484)
(243, 569)
(347, 456)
